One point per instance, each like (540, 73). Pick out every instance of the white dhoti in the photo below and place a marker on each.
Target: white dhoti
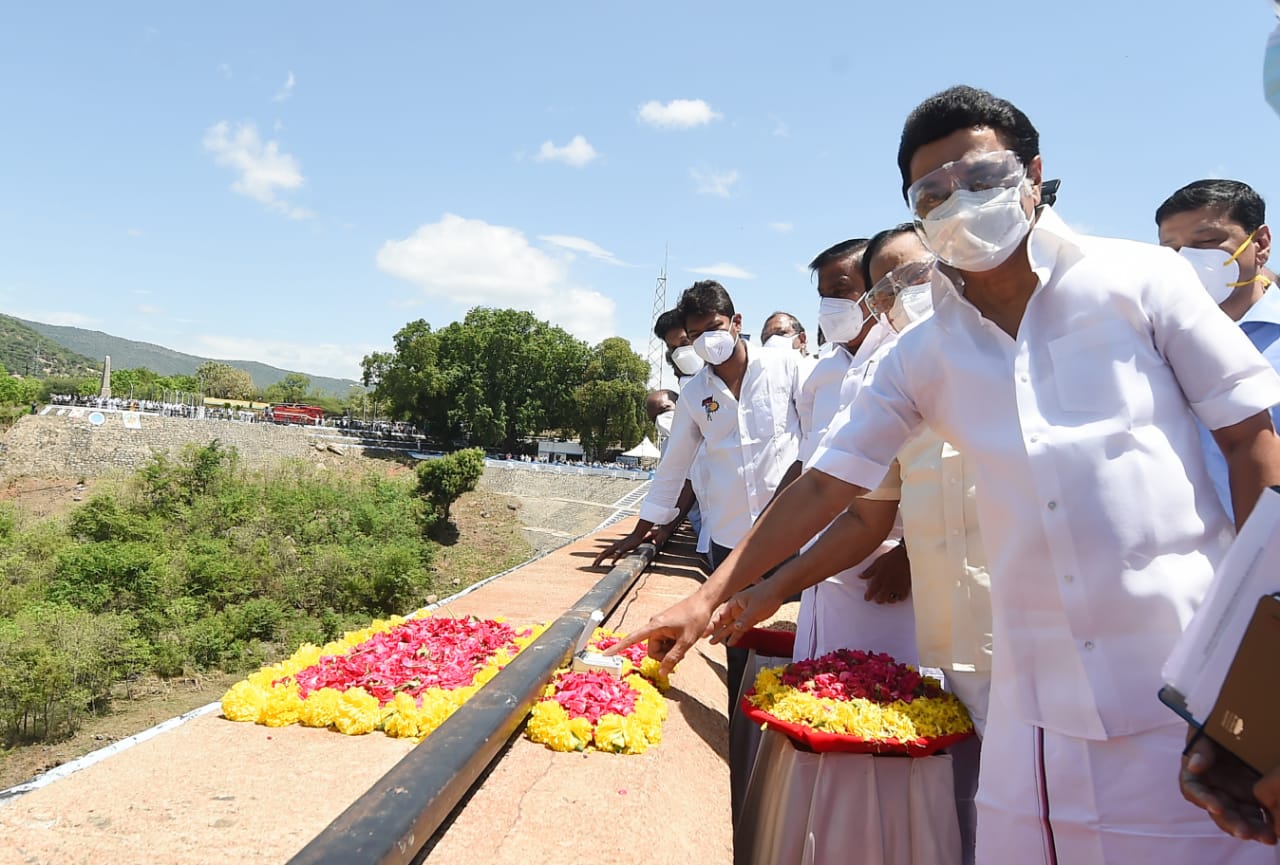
(1059, 800)
(833, 616)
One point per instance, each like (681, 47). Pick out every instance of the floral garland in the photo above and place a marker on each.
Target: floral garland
(581, 710)
(861, 694)
(403, 676)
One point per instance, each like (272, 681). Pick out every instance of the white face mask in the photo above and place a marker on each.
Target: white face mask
(715, 346)
(1218, 275)
(663, 421)
(841, 319)
(977, 231)
(912, 304)
(686, 359)
(780, 340)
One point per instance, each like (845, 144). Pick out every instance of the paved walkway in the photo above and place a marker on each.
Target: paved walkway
(213, 791)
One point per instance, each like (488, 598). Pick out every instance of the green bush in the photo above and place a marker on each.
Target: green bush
(194, 564)
(442, 481)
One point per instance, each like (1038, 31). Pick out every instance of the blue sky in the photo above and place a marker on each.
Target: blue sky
(292, 182)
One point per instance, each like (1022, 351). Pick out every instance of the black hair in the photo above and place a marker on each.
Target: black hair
(671, 394)
(876, 243)
(703, 297)
(963, 107)
(795, 322)
(666, 323)
(1239, 200)
(842, 250)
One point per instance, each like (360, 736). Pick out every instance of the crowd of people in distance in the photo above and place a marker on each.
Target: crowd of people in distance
(1014, 454)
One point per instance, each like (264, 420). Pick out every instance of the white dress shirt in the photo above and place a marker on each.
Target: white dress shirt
(749, 444)
(1101, 522)
(834, 614)
(950, 586)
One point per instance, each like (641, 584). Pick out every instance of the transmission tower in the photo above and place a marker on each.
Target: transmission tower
(658, 348)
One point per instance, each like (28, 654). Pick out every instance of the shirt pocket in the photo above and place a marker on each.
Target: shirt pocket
(1094, 370)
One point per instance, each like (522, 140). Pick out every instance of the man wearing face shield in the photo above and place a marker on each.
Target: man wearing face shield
(931, 488)
(1071, 370)
(1220, 227)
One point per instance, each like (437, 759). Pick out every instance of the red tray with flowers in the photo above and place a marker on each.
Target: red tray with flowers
(857, 702)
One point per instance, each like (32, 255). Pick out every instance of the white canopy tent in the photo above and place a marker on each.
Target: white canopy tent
(645, 452)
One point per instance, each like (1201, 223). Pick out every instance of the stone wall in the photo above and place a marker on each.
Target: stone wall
(55, 445)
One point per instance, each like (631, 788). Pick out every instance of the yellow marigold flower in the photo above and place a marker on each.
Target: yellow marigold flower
(282, 707)
(611, 734)
(649, 669)
(400, 718)
(244, 702)
(320, 709)
(358, 712)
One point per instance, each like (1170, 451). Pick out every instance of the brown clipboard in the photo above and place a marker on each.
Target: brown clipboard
(1246, 717)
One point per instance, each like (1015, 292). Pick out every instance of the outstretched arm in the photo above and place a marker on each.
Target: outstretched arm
(853, 536)
(806, 506)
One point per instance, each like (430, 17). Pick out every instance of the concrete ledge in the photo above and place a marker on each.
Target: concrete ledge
(213, 791)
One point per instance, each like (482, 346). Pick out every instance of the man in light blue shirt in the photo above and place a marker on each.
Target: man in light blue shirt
(1220, 226)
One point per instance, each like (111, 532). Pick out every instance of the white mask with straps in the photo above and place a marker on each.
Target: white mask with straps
(977, 231)
(715, 346)
(686, 360)
(841, 319)
(911, 304)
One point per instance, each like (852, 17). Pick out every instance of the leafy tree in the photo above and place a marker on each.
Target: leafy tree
(610, 403)
(292, 388)
(494, 378)
(17, 390)
(84, 385)
(409, 377)
(441, 481)
(223, 381)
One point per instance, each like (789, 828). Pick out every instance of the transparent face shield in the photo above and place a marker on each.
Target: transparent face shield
(911, 274)
(998, 169)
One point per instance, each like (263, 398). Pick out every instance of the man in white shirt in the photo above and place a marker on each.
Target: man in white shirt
(1220, 227)
(740, 412)
(835, 613)
(1070, 369)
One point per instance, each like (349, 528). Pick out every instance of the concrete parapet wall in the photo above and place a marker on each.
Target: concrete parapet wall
(56, 445)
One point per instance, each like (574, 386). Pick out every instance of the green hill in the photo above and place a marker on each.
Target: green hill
(26, 351)
(128, 354)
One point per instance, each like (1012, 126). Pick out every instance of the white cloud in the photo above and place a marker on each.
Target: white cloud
(286, 90)
(578, 152)
(472, 262)
(677, 114)
(710, 182)
(581, 244)
(724, 270)
(330, 359)
(133, 232)
(224, 69)
(780, 129)
(263, 171)
(782, 227)
(147, 309)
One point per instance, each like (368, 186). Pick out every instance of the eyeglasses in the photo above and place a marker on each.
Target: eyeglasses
(998, 169)
(882, 295)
